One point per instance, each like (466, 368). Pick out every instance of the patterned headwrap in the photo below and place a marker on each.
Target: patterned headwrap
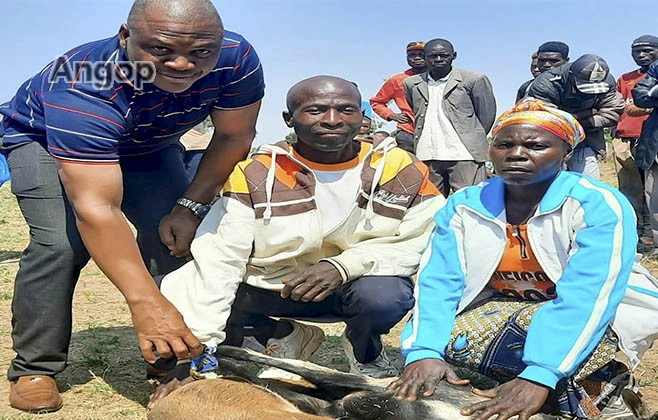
(539, 113)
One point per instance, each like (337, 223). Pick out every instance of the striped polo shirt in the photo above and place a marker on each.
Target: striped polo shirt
(78, 120)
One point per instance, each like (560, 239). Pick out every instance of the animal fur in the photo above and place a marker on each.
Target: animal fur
(322, 394)
(226, 399)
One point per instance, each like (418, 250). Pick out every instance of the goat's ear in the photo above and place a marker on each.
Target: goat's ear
(634, 402)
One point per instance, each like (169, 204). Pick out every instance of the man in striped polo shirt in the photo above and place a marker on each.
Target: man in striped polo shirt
(93, 138)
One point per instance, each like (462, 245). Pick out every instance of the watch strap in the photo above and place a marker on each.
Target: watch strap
(199, 209)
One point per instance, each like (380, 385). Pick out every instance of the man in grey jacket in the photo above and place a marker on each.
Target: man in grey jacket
(586, 89)
(454, 110)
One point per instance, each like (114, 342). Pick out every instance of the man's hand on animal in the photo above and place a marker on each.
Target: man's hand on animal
(163, 389)
(175, 379)
(516, 397)
(159, 325)
(177, 231)
(312, 285)
(423, 375)
(400, 117)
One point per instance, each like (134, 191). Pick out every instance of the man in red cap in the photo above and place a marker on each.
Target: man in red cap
(393, 90)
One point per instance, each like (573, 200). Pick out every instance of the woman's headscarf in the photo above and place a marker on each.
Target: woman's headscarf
(539, 113)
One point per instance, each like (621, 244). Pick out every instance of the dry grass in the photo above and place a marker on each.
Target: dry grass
(105, 379)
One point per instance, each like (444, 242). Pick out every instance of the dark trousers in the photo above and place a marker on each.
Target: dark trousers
(51, 263)
(405, 140)
(192, 159)
(370, 306)
(452, 175)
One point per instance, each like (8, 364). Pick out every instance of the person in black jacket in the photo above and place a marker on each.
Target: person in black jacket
(549, 54)
(586, 89)
(645, 95)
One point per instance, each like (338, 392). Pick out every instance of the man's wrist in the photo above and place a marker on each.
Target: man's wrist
(152, 296)
(198, 209)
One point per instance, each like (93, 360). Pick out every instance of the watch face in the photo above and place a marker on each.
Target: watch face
(202, 210)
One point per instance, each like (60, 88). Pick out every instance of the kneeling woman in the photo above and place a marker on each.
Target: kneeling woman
(526, 279)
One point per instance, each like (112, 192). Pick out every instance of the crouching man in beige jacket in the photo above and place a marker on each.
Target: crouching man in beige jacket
(326, 229)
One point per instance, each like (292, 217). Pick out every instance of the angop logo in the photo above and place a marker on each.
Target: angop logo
(102, 74)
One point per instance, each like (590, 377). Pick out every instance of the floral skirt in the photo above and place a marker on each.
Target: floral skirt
(490, 338)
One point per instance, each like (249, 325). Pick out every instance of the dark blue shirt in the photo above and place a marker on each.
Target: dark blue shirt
(82, 121)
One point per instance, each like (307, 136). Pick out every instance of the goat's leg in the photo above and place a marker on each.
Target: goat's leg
(318, 375)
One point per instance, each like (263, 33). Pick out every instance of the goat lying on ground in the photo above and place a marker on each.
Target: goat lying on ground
(323, 393)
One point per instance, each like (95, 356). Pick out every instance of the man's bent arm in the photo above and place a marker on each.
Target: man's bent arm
(635, 111)
(203, 290)
(95, 193)
(234, 132)
(611, 107)
(386, 93)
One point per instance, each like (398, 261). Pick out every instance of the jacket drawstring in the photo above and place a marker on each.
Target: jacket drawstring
(384, 147)
(269, 187)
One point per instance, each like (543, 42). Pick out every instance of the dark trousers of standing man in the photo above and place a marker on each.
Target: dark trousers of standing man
(370, 306)
(452, 175)
(51, 263)
(405, 140)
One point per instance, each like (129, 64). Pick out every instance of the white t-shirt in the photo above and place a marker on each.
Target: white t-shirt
(336, 189)
(439, 139)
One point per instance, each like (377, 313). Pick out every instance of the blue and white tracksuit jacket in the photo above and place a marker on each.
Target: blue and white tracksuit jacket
(584, 237)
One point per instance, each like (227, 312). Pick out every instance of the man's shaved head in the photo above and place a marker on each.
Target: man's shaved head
(182, 38)
(179, 9)
(439, 41)
(325, 112)
(296, 93)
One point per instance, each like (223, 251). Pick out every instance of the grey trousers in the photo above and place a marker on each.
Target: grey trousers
(452, 175)
(405, 140)
(629, 177)
(51, 263)
(651, 195)
(584, 161)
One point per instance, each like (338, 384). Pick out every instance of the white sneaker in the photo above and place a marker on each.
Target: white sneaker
(381, 367)
(300, 344)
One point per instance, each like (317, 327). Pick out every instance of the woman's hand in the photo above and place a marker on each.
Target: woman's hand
(516, 397)
(423, 375)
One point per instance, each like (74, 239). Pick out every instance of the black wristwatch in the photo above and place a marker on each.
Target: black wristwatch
(199, 209)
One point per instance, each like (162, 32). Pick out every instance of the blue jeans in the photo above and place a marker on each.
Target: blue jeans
(51, 263)
(370, 306)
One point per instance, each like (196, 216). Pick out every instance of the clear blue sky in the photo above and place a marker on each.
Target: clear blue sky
(361, 40)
